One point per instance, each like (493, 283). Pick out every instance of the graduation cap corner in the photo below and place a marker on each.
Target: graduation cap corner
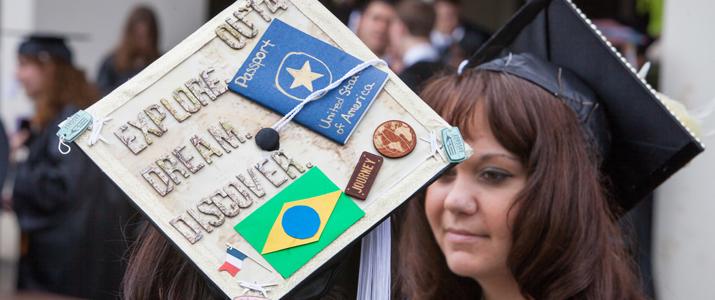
(648, 143)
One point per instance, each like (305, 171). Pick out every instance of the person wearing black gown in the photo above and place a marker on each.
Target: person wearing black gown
(71, 215)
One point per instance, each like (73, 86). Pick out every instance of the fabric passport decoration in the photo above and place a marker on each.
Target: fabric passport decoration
(299, 221)
(287, 65)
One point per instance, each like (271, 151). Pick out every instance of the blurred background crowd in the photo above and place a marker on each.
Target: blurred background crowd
(65, 228)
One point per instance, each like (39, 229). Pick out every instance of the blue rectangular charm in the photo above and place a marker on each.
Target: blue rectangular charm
(74, 126)
(453, 144)
(287, 65)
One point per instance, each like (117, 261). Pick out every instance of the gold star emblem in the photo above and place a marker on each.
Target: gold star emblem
(303, 77)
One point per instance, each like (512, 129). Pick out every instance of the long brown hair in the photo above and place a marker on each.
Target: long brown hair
(64, 85)
(128, 52)
(156, 270)
(566, 241)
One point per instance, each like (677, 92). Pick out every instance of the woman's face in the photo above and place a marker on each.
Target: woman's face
(142, 36)
(468, 208)
(31, 75)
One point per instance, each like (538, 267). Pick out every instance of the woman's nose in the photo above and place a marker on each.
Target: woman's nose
(461, 199)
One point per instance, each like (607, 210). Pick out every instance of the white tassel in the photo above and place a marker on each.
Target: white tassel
(374, 278)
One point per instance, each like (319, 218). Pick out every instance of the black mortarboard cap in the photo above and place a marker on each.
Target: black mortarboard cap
(647, 142)
(54, 46)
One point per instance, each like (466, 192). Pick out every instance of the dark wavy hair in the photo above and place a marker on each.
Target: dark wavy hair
(566, 240)
(156, 270)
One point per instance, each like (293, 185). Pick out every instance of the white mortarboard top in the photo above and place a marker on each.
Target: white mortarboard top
(181, 143)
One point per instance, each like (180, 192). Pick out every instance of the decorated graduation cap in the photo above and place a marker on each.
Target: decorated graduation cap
(553, 45)
(180, 139)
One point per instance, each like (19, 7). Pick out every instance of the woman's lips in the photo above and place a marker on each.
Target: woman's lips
(463, 236)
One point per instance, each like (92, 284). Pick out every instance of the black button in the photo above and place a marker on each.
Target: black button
(267, 139)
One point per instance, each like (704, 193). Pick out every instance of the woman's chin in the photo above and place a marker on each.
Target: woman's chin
(463, 264)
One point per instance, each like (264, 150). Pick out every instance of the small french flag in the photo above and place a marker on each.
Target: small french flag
(234, 261)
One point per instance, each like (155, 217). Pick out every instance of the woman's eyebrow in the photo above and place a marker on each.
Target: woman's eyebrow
(488, 156)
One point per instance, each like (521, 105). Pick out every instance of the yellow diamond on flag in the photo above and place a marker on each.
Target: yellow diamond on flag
(301, 222)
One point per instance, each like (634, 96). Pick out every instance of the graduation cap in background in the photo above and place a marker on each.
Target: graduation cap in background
(642, 143)
(37, 45)
(52, 43)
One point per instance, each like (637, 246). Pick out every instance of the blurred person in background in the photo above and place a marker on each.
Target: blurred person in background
(342, 9)
(69, 212)
(138, 47)
(626, 39)
(415, 58)
(454, 38)
(373, 25)
(446, 26)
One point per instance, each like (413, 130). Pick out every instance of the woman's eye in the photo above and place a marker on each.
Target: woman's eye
(448, 175)
(494, 176)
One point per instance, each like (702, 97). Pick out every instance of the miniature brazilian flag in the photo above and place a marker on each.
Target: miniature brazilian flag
(299, 222)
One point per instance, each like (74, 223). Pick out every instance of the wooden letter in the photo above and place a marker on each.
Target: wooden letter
(200, 90)
(226, 204)
(252, 183)
(163, 186)
(129, 140)
(207, 207)
(270, 173)
(199, 219)
(286, 163)
(143, 124)
(189, 230)
(231, 37)
(226, 136)
(205, 149)
(170, 165)
(156, 115)
(216, 86)
(178, 115)
(234, 186)
(187, 100)
(186, 160)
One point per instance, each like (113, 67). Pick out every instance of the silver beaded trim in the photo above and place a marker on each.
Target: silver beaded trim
(633, 70)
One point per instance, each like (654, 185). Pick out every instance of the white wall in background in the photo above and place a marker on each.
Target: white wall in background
(15, 17)
(685, 205)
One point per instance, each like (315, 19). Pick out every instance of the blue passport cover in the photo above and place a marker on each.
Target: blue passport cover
(287, 65)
